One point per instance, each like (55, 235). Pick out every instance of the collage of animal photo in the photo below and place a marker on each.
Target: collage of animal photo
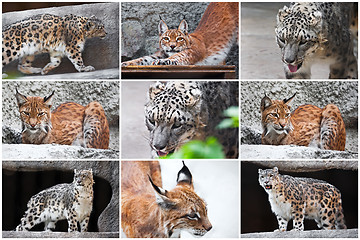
(230, 120)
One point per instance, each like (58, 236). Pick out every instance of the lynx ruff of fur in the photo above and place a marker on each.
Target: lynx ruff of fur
(69, 124)
(147, 210)
(307, 125)
(209, 44)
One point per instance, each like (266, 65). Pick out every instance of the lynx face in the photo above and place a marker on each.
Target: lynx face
(276, 115)
(173, 40)
(34, 113)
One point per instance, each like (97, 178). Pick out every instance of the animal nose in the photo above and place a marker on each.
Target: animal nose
(209, 228)
(159, 146)
(172, 47)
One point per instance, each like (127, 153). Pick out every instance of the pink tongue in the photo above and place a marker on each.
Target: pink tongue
(161, 154)
(292, 68)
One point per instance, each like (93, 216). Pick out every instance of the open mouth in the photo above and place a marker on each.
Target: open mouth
(163, 154)
(294, 68)
(268, 187)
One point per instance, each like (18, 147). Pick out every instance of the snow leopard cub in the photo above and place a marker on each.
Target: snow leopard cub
(70, 201)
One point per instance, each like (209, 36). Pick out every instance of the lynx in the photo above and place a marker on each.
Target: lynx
(209, 44)
(307, 125)
(147, 210)
(70, 123)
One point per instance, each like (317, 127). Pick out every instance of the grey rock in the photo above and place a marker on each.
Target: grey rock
(10, 135)
(343, 233)
(252, 152)
(109, 170)
(13, 234)
(134, 39)
(250, 136)
(99, 53)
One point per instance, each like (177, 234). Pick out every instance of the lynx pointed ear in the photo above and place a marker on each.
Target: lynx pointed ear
(265, 103)
(184, 177)
(162, 27)
(161, 196)
(21, 99)
(183, 26)
(156, 89)
(287, 101)
(48, 100)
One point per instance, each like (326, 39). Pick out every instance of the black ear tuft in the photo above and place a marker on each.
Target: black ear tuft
(184, 175)
(47, 98)
(288, 100)
(157, 189)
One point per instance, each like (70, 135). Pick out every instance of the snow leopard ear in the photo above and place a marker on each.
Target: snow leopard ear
(161, 196)
(21, 99)
(156, 89)
(260, 171)
(183, 26)
(184, 177)
(316, 18)
(282, 14)
(265, 103)
(275, 170)
(162, 27)
(194, 96)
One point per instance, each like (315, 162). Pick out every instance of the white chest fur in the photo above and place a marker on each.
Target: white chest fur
(278, 205)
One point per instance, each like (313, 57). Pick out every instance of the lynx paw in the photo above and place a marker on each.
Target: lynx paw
(165, 62)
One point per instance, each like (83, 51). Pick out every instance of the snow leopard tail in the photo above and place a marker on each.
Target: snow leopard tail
(339, 217)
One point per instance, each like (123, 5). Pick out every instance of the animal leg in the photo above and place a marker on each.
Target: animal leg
(24, 65)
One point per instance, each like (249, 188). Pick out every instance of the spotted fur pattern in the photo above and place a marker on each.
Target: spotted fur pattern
(317, 31)
(307, 125)
(46, 33)
(70, 201)
(180, 111)
(70, 123)
(209, 44)
(147, 210)
(300, 198)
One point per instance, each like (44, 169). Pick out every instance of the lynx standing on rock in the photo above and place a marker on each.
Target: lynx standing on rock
(307, 125)
(70, 123)
(209, 44)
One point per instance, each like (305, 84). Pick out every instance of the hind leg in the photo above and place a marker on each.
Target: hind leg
(332, 129)
(29, 220)
(96, 127)
(55, 60)
(24, 65)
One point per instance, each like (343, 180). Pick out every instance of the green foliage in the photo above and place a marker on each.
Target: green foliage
(195, 149)
(232, 120)
(210, 148)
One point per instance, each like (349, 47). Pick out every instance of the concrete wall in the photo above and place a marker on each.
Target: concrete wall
(99, 53)
(139, 26)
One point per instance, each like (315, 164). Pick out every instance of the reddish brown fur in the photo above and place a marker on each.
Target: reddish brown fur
(311, 125)
(70, 122)
(142, 216)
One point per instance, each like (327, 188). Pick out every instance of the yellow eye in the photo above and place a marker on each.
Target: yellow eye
(166, 39)
(41, 114)
(180, 39)
(275, 115)
(287, 115)
(25, 113)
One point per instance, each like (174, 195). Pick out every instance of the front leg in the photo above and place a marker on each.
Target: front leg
(282, 223)
(72, 221)
(55, 60)
(186, 57)
(74, 55)
(298, 219)
(146, 60)
(84, 224)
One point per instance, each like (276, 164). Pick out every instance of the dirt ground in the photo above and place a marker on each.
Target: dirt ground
(260, 55)
(134, 134)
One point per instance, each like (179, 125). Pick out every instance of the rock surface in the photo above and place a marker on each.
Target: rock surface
(252, 152)
(318, 93)
(139, 22)
(12, 234)
(346, 233)
(109, 219)
(99, 53)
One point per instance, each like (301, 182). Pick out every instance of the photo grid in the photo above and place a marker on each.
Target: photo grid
(124, 119)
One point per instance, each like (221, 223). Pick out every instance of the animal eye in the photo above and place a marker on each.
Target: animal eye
(281, 40)
(303, 42)
(176, 125)
(275, 115)
(41, 114)
(151, 121)
(192, 216)
(287, 115)
(271, 175)
(25, 113)
(166, 39)
(180, 39)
